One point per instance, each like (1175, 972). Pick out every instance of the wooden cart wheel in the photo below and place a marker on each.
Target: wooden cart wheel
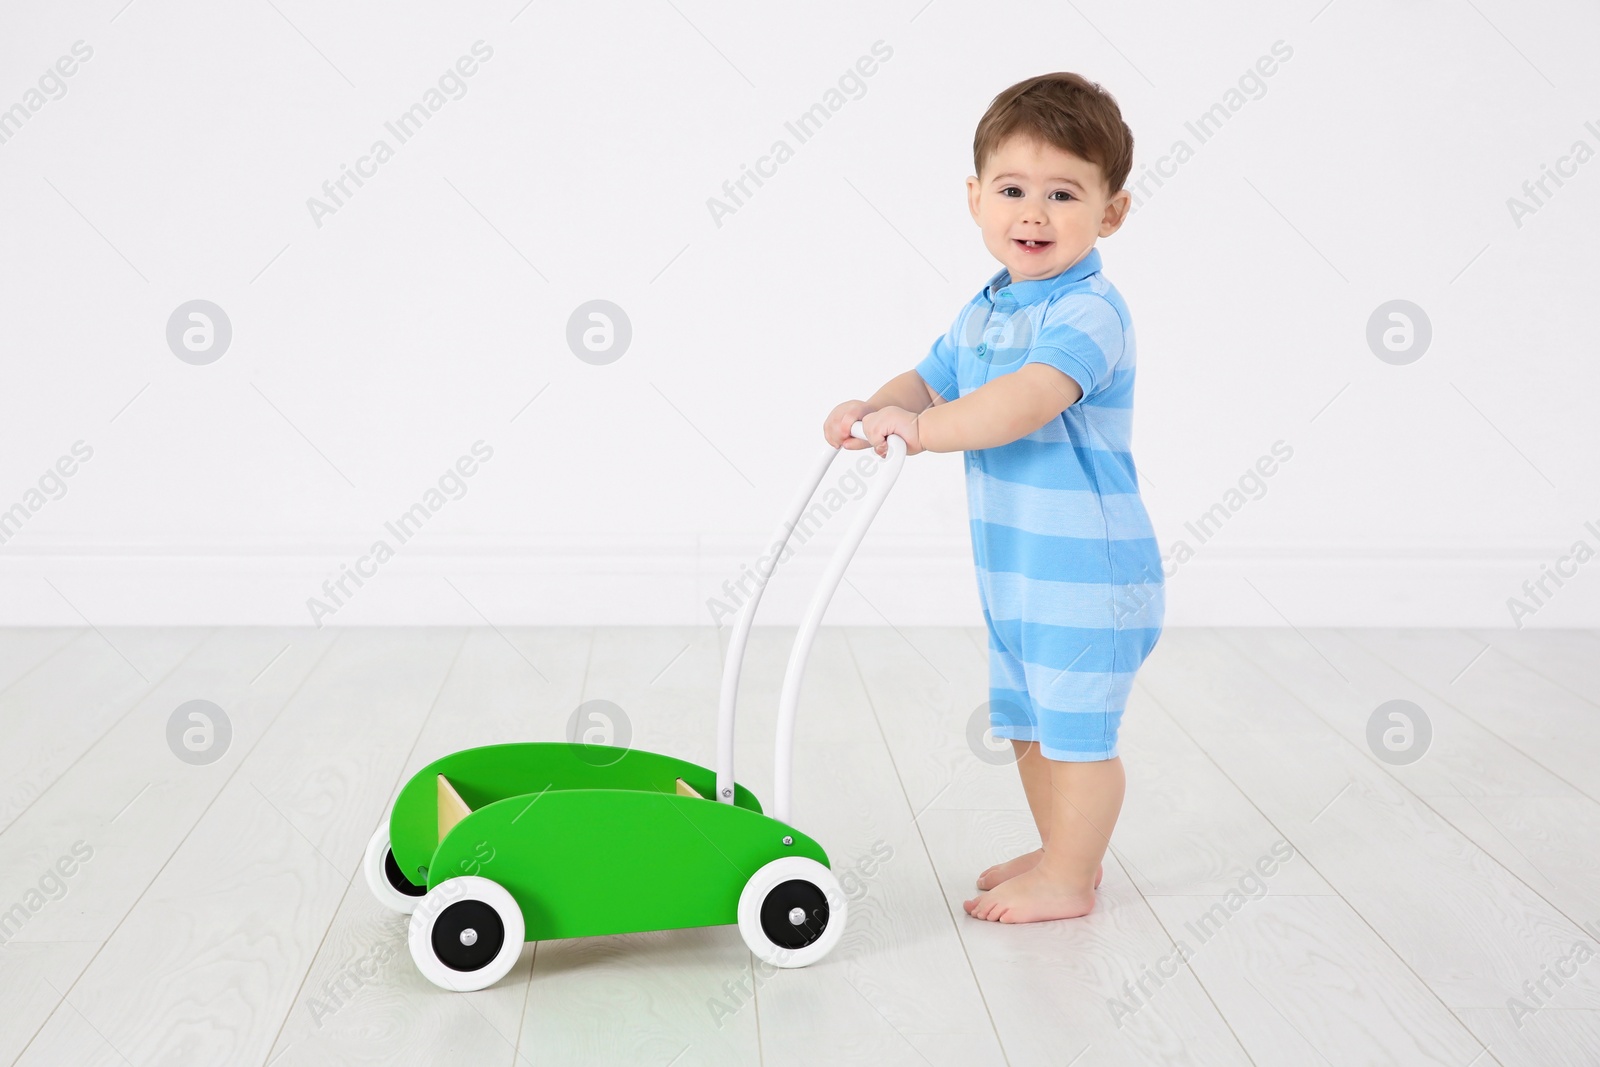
(466, 934)
(792, 912)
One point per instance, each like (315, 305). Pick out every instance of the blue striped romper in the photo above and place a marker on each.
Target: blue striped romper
(1069, 570)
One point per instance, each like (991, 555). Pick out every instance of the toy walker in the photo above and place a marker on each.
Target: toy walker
(494, 846)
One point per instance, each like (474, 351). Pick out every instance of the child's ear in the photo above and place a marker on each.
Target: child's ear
(973, 188)
(1116, 213)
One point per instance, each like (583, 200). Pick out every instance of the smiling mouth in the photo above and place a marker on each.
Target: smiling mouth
(1032, 246)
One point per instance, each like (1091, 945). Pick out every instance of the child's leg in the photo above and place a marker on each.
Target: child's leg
(1085, 800)
(1034, 769)
(1035, 772)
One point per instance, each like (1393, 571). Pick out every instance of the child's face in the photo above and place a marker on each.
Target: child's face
(1034, 191)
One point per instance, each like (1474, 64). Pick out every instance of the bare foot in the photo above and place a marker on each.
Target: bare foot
(1000, 872)
(1031, 897)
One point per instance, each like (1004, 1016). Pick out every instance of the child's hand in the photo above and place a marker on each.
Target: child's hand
(836, 427)
(891, 420)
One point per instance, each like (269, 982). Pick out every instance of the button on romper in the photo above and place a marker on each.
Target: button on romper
(1069, 570)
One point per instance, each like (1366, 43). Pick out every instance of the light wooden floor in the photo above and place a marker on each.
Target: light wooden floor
(220, 911)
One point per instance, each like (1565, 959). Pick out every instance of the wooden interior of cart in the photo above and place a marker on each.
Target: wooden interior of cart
(452, 809)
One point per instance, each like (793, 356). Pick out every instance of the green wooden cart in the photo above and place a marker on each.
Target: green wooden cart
(491, 847)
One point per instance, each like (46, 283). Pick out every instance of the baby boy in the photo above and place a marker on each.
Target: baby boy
(1034, 383)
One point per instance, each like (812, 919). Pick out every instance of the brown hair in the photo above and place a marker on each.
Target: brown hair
(1064, 110)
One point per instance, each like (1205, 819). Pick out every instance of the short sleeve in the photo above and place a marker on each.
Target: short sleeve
(938, 367)
(1081, 336)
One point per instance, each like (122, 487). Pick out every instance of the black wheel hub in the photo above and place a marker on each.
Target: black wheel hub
(467, 935)
(784, 903)
(401, 883)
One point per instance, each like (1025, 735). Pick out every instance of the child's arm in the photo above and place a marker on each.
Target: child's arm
(1010, 407)
(1005, 409)
(907, 392)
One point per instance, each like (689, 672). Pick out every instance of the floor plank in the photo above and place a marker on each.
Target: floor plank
(51, 715)
(1465, 924)
(127, 801)
(206, 963)
(1298, 976)
(1538, 827)
(1545, 721)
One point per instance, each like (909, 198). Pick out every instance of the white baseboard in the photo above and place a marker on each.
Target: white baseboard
(621, 581)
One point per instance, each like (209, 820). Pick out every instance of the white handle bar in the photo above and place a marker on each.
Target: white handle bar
(790, 699)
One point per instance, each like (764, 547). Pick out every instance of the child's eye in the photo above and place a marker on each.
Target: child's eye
(1008, 190)
(1062, 192)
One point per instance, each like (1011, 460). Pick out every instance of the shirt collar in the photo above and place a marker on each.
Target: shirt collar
(1029, 292)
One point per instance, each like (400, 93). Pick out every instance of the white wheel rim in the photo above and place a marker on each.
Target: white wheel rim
(755, 893)
(372, 867)
(435, 904)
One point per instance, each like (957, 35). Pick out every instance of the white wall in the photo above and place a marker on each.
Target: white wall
(372, 351)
